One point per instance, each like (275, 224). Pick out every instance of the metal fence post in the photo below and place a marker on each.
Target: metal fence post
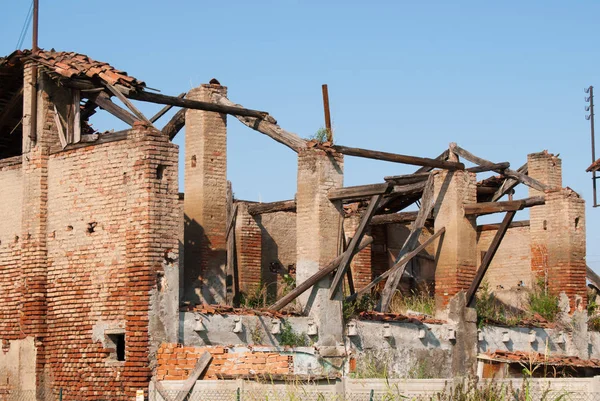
(372, 395)
(238, 397)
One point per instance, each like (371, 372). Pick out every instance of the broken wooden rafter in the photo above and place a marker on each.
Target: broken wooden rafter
(530, 182)
(509, 184)
(195, 104)
(353, 246)
(165, 110)
(592, 277)
(267, 126)
(127, 103)
(398, 265)
(409, 245)
(482, 208)
(397, 158)
(271, 207)
(359, 191)
(175, 124)
(489, 255)
(394, 218)
(315, 278)
(102, 100)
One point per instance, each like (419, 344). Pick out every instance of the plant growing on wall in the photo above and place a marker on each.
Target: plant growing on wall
(543, 303)
(289, 337)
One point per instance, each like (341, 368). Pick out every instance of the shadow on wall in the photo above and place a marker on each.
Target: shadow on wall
(203, 268)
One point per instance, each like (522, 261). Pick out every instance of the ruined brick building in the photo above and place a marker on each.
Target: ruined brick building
(107, 271)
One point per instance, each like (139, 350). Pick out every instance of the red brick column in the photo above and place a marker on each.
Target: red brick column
(547, 169)
(457, 261)
(249, 251)
(205, 200)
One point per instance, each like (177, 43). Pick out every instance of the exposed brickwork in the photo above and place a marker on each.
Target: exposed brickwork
(11, 280)
(457, 259)
(361, 263)
(547, 169)
(205, 200)
(379, 253)
(249, 250)
(318, 227)
(176, 362)
(566, 246)
(104, 278)
(510, 266)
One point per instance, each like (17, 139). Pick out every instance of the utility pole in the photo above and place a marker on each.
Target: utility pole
(590, 117)
(327, 114)
(34, 73)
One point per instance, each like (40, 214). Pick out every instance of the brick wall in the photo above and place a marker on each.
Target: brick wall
(457, 259)
(11, 280)
(510, 266)
(361, 263)
(249, 251)
(205, 200)
(112, 221)
(176, 362)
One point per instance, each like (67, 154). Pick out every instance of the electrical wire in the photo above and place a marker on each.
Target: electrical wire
(25, 27)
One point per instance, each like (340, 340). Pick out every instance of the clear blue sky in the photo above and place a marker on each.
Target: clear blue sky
(501, 79)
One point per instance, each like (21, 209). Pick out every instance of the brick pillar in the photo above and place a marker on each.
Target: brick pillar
(318, 231)
(457, 260)
(361, 263)
(565, 213)
(205, 200)
(547, 169)
(249, 251)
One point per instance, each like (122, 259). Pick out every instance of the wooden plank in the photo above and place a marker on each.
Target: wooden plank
(165, 110)
(76, 116)
(397, 266)
(349, 277)
(411, 243)
(59, 127)
(268, 127)
(530, 182)
(127, 103)
(352, 247)
(419, 177)
(195, 104)
(497, 207)
(491, 167)
(102, 100)
(231, 210)
(489, 255)
(271, 207)
(509, 184)
(494, 227)
(188, 384)
(409, 189)
(315, 278)
(397, 158)
(359, 191)
(158, 386)
(394, 218)
(175, 124)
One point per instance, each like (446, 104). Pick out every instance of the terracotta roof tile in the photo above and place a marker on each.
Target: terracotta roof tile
(539, 359)
(392, 317)
(595, 166)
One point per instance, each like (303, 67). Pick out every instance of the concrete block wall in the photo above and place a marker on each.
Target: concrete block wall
(248, 236)
(205, 200)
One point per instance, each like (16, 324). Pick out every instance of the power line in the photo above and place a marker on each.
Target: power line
(25, 27)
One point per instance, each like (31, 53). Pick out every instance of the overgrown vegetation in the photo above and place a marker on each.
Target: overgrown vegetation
(370, 366)
(543, 303)
(416, 301)
(256, 334)
(262, 297)
(320, 136)
(289, 337)
(420, 370)
(353, 308)
(593, 311)
(540, 302)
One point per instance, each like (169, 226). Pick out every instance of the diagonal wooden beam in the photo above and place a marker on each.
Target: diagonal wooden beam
(483, 208)
(165, 109)
(359, 191)
(400, 264)
(353, 246)
(12, 105)
(102, 100)
(489, 255)
(315, 278)
(127, 103)
(410, 244)
(267, 126)
(175, 124)
(530, 182)
(509, 184)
